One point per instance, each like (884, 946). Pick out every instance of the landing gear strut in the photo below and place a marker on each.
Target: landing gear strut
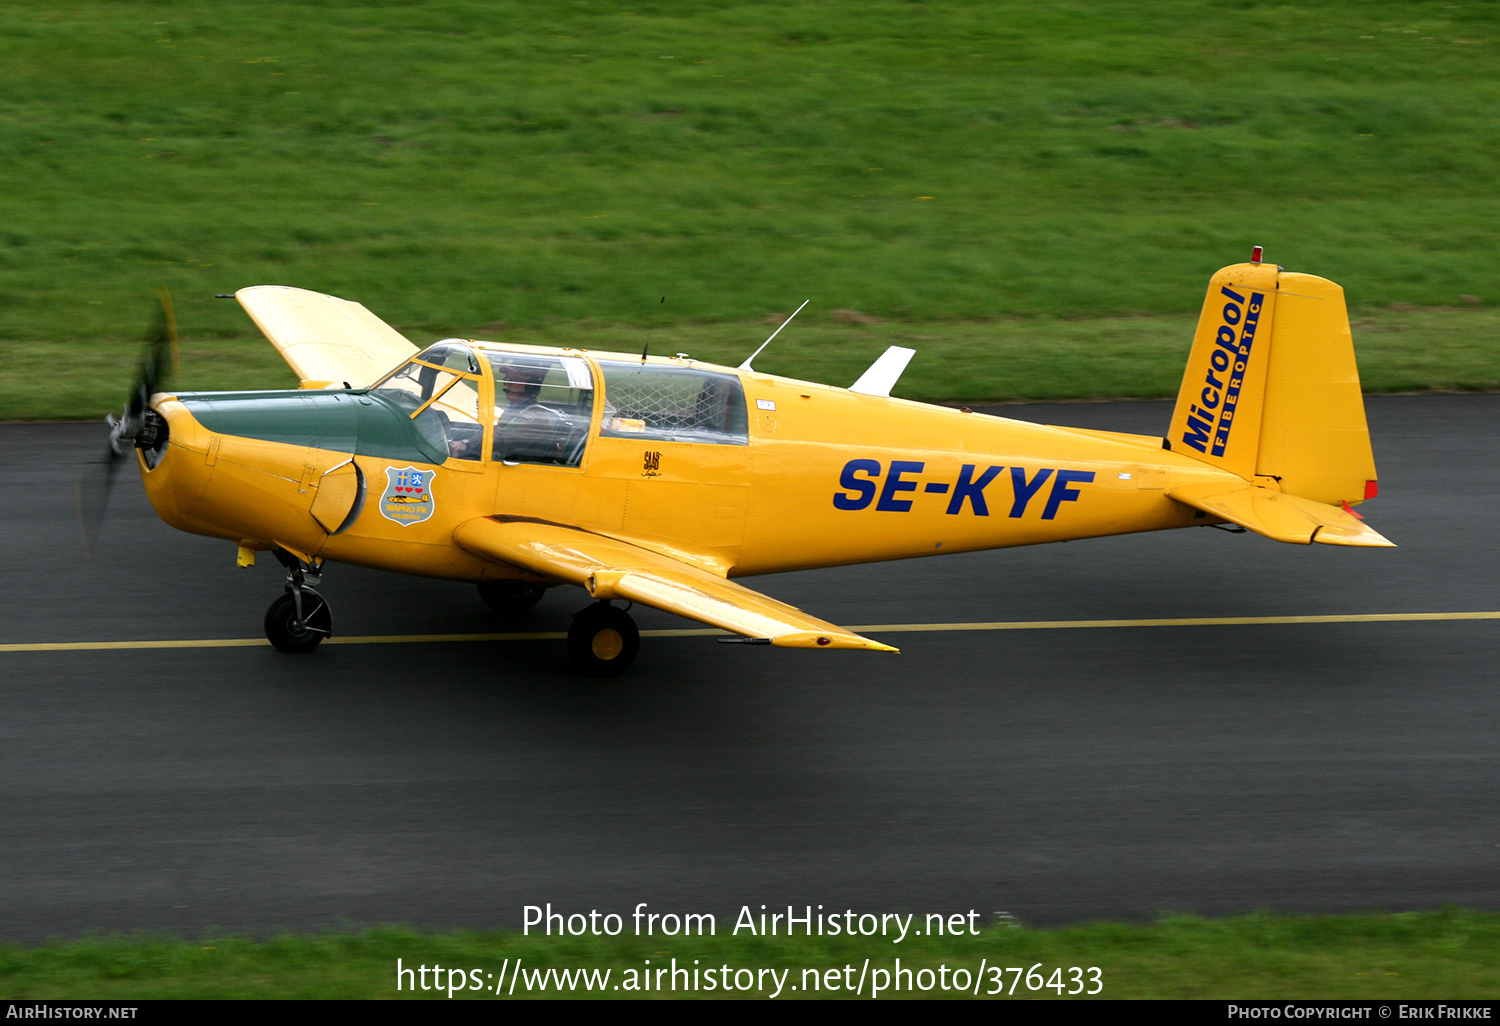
(603, 640)
(299, 620)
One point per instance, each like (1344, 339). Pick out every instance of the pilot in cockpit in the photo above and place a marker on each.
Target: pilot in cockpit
(526, 429)
(520, 385)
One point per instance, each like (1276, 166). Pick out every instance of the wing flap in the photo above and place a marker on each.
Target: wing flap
(1279, 516)
(612, 569)
(324, 338)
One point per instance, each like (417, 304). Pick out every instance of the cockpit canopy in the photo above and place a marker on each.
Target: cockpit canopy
(541, 404)
(541, 409)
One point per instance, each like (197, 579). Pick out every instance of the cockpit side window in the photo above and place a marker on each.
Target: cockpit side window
(439, 390)
(673, 404)
(543, 405)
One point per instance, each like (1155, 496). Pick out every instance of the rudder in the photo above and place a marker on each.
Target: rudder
(1314, 438)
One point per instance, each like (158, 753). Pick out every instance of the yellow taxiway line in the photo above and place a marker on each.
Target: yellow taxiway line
(874, 628)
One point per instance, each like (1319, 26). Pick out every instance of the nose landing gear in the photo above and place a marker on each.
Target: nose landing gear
(299, 620)
(603, 640)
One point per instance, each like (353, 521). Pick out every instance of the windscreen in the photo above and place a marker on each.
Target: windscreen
(439, 390)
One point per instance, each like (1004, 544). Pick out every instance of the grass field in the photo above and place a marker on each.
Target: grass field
(1035, 193)
(1451, 954)
(1007, 359)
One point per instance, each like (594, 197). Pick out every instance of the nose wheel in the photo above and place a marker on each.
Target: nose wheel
(603, 641)
(299, 620)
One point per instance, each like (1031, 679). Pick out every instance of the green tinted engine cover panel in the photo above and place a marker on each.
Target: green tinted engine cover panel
(354, 422)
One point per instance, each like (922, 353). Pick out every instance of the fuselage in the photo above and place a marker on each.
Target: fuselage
(805, 475)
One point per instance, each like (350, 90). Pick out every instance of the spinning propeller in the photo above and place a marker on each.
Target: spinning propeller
(136, 426)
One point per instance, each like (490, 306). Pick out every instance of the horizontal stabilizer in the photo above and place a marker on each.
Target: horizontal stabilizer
(612, 569)
(882, 375)
(323, 338)
(1279, 516)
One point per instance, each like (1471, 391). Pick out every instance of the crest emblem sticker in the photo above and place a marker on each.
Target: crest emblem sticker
(408, 495)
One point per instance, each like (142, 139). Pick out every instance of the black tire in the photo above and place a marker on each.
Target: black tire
(280, 618)
(603, 641)
(511, 598)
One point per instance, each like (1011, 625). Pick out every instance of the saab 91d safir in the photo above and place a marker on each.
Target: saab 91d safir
(660, 480)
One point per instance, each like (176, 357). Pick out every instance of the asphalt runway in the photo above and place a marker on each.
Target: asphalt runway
(1058, 775)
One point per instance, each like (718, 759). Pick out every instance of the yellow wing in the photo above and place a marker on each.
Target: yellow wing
(1277, 515)
(326, 340)
(614, 569)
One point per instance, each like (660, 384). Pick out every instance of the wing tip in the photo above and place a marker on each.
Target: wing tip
(1364, 541)
(829, 639)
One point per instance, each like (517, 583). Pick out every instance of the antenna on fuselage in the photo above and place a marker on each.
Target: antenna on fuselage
(752, 356)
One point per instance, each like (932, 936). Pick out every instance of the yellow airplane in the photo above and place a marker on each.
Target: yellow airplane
(657, 480)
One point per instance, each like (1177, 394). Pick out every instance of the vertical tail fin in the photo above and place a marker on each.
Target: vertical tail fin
(1271, 389)
(1220, 403)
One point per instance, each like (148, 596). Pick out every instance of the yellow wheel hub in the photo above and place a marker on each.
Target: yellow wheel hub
(607, 644)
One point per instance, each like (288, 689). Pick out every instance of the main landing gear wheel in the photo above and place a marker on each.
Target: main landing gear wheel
(291, 633)
(300, 619)
(603, 641)
(511, 598)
